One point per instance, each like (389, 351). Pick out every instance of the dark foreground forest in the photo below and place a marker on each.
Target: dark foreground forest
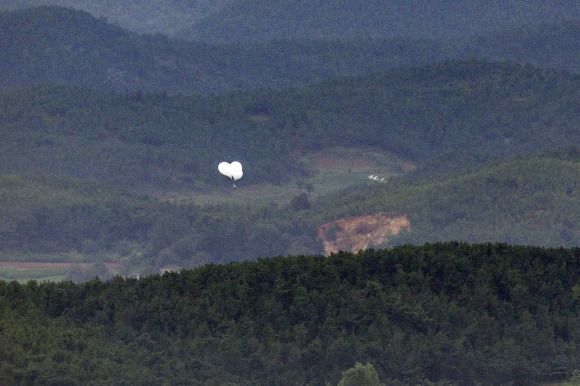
(445, 313)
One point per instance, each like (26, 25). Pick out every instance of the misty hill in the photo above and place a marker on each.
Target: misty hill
(148, 16)
(51, 45)
(448, 313)
(168, 143)
(244, 20)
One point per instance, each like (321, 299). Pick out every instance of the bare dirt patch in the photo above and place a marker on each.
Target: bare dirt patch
(354, 160)
(361, 232)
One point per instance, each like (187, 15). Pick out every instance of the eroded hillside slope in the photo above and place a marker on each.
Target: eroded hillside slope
(361, 232)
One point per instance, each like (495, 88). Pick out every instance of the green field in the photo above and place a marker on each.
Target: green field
(23, 272)
(328, 171)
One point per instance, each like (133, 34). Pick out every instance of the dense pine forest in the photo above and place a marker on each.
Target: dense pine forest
(450, 313)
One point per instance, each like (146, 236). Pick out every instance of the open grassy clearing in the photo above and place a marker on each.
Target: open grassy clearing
(330, 170)
(25, 271)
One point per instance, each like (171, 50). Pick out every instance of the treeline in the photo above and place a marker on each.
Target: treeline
(450, 313)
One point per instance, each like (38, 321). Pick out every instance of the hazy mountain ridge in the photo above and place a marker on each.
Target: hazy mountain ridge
(239, 20)
(144, 16)
(292, 19)
(51, 45)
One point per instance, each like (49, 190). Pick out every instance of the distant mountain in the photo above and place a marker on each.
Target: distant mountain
(52, 45)
(147, 16)
(248, 20)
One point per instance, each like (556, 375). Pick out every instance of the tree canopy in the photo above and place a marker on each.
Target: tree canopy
(444, 313)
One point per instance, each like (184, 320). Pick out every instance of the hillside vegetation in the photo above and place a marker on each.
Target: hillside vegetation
(51, 45)
(158, 142)
(448, 313)
(530, 200)
(449, 119)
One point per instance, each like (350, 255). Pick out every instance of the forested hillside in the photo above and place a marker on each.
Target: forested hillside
(448, 119)
(51, 45)
(47, 219)
(531, 200)
(169, 143)
(448, 313)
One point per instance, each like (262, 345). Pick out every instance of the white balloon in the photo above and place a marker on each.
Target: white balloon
(233, 170)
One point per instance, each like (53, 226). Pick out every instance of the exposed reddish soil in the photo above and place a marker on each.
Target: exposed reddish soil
(361, 232)
(322, 162)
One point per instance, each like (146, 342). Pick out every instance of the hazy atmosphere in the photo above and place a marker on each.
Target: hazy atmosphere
(297, 192)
